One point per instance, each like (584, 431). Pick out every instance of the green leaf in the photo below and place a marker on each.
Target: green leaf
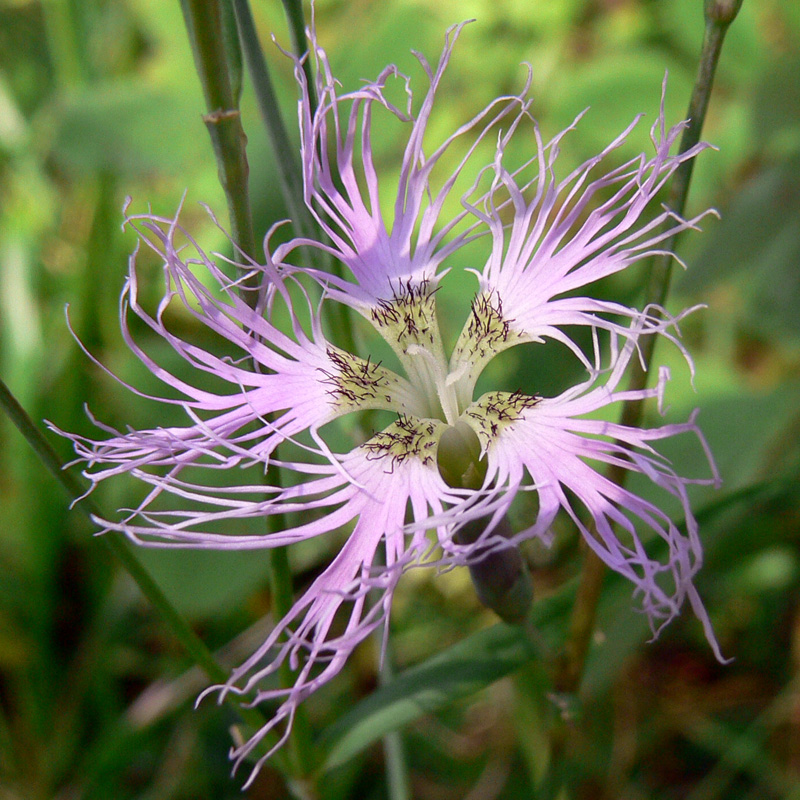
(204, 583)
(776, 104)
(754, 252)
(460, 671)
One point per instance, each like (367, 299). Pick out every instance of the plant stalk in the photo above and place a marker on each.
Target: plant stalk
(204, 24)
(719, 14)
(223, 120)
(289, 173)
(121, 548)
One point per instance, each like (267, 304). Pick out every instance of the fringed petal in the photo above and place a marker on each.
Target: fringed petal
(382, 254)
(560, 240)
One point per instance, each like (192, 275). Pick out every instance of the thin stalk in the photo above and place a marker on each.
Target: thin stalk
(397, 778)
(204, 24)
(233, 51)
(121, 548)
(394, 752)
(297, 30)
(719, 14)
(223, 120)
(289, 174)
(69, 58)
(340, 326)
(300, 745)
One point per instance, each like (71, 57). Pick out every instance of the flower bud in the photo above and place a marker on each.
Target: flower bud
(501, 579)
(722, 12)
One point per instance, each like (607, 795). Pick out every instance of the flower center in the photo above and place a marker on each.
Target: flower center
(438, 421)
(459, 457)
(452, 431)
(408, 323)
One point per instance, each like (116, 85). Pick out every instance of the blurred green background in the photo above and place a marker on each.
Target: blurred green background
(99, 100)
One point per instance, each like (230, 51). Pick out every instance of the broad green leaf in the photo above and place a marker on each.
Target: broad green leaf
(460, 671)
(776, 105)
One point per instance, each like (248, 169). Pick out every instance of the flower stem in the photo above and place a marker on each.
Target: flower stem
(289, 174)
(297, 30)
(204, 24)
(300, 746)
(69, 58)
(397, 779)
(118, 545)
(398, 783)
(340, 326)
(718, 16)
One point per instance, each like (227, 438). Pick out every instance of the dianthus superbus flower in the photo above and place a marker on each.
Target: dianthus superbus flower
(434, 486)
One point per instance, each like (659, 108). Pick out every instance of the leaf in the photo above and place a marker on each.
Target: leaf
(754, 251)
(460, 671)
(776, 104)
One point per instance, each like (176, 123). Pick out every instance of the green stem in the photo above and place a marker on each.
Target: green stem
(718, 16)
(289, 174)
(233, 51)
(64, 43)
(340, 325)
(223, 120)
(393, 750)
(121, 548)
(300, 746)
(297, 30)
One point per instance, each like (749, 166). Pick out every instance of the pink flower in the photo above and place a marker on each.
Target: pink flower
(450, 462)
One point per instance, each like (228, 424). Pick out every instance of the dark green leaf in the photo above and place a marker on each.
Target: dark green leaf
(460, 671)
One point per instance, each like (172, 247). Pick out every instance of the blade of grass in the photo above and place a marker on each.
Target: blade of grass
(122, 550)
